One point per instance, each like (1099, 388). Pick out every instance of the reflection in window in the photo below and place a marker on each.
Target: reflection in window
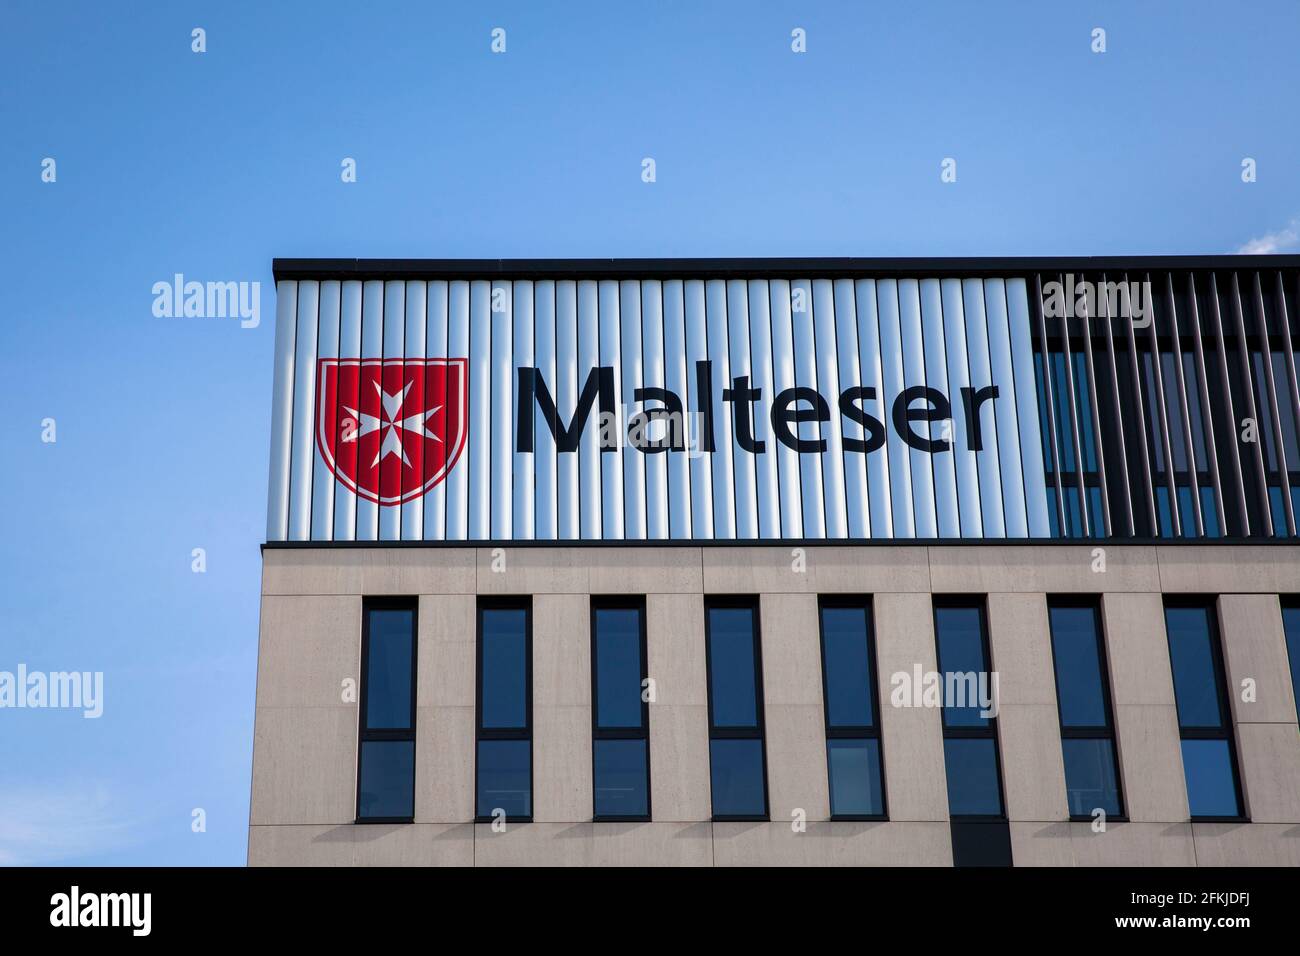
(852, 731)
(503, 765)
(620, 749)
(386, 753)
(736, 758)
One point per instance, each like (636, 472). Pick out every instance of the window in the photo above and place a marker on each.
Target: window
(1083, 703)
(980, 834)
(737, 764)
(853, 754)
(620, 751)
(386, 751)
(1204, 720)
(505, 706)
(1291, 627)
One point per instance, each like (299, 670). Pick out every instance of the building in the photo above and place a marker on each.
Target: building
(782, 561)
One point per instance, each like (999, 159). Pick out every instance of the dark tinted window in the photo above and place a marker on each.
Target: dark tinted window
(736, 757)
(972, 767)
(1291, 627)
(504, 755)
(1209, 759)
(1083, 699)
(386, 746)
(853, 752)
(621, 747)
(960, 633)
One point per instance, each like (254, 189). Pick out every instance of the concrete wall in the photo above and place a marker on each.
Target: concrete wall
(305, 741)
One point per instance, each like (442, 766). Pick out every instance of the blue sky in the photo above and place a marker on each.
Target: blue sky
(212, 164)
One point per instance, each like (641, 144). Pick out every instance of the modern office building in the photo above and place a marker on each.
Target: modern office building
(738, 562)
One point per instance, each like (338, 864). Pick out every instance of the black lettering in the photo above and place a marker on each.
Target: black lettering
(532, 387)
(671, 413)
(783, 413)
(973, 398)
(704, 398)
(874, 428)
(742, 396)
(937, 409)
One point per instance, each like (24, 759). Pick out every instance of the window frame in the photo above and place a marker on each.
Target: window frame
(1227, 730)
(857, 732)
(989, 730)
(752, 604)
(504, 603)
(620, 603)
(1106, 732)
(366, 734)
(1291, 602)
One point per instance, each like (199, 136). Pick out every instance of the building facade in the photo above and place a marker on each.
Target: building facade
(782, 562)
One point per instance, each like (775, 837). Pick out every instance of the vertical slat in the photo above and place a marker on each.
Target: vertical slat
(856, 495)
(1233, 424)
(893, 381)
(1181, 383)
(934, 351)
(630, 372)
(460, 345)
(744, 466)
(783, 378)
(1248, 382)
(1207, 425)
(277, 498)
(570, 373)
(436, 346)
(368, 403)
(391, 465)
(805, 373)
(677, 380)
(501, 454)
(766, 464)
(1030, 446)
(970, 510)
(1117, 421)
(837, 525)
(478, 451)
(697, 350)
(522, 479)
(652, 360)
(922, 465)
(1076, 437)
(1266, 354)
(545, 492)
(345, 498)
(304, 406)
(1094, 405)
(1013, 470)
(611, 460)
(589, 480)
(722, 478)
(872, 376)
(1175, 512)
(1140, 414)
(1289, 358)
(986, 462)
(416, 348)
(1050, 400)
(327, 347)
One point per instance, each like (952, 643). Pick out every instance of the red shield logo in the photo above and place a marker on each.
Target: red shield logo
(391, 429)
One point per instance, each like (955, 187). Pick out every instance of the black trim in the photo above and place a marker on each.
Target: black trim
(758, 731)
(481, 733)
(758, 268)
(366, 734)
(624, 603)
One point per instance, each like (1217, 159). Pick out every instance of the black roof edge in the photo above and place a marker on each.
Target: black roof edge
(829, 267)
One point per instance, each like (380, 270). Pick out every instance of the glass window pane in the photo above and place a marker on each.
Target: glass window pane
(1291, 627)
(1078, 666)
(972, 767)
(387, 774)
(1196, 682)
(966, 687)
(505, 668)
(849, 692)
(1090, 780)
(855, 777)
(388, 669)
(736, 768)
(618, 667)
(1211, 778)
(621, 779)
(732, 667)
(505, 778)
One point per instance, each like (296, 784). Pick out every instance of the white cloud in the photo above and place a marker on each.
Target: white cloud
(45, 825)
(1280, 241)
